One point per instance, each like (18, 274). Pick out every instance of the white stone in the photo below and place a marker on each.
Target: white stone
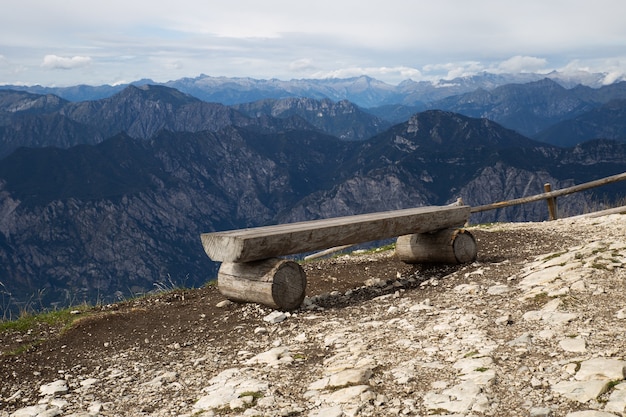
(51, 412)
(617, 399)
(54, 388)
(469, 365)
(87, 383)
(498, 289)
(260, 330)
(581, 391)
(540, 412)
(227, 386)
(522, 340)
(223, 304)
(457, 399)
(30, 411)
(467, 289)
(95, 407)
(590, 413)
(350, 377)
(550, 317)
(334, 411)
(276, 317)
(273, 357)
(576, 344)
(346, 395)
(601, 368)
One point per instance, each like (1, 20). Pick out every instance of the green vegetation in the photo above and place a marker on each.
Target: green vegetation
(28, 323)
(58, 318)
(553, 255)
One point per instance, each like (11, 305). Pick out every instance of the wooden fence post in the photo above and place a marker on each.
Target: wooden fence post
(551, 202)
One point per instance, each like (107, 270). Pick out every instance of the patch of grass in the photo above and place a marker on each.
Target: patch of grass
(254, 394)
(438, 411)
(553, 255)
(597, 265)
(614, 383)
(481, 369)
(33, 322)
(541, 297)
(27, 321)
(22, 349)
(471, 354)
(384, 248)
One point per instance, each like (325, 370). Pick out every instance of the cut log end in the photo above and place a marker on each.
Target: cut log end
(452, 246)
(276, 283)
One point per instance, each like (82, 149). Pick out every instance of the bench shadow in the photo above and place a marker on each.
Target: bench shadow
(419, 275)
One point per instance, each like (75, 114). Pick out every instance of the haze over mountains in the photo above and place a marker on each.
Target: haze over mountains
(107, 197)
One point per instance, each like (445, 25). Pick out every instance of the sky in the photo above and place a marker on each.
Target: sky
(70, 42)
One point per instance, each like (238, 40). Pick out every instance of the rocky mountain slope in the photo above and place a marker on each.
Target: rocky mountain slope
(120, 218)
(533, 107)
(535, 327)
(606, 122)
(364, 91)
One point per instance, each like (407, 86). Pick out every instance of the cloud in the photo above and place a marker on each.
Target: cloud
(390, 74)
(304, 64)
(59, 62)
(453, 70)
(522, 64)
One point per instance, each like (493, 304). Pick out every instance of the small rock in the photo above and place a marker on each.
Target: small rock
(590, 413)
(95, 407)
(224, 303)
(276, 317)
(31, 411)
(87, 383)
(334, 411)
(260, 330)
(54, 388)
(346, 395)
(540, 412)
(581, 391)
(601, 368)
(573, 345)
(273, 357)
(523, 340)
(498, 289)
(617, 399)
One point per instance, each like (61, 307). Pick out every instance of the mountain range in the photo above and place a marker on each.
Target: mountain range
(106, 198)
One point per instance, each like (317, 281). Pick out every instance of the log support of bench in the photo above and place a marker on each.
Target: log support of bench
(452, 246)
(276, 283)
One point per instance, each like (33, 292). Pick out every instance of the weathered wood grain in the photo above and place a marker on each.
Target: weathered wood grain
(450, 246)
(276, 283)
(253, 244)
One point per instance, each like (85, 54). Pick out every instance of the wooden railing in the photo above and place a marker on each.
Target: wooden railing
(551, 196)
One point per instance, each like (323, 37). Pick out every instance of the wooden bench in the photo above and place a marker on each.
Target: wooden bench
(252, 271)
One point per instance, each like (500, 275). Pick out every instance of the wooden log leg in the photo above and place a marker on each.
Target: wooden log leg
(276, 283)
(451, 246)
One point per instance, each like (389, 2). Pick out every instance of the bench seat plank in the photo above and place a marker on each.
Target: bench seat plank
(246, 245)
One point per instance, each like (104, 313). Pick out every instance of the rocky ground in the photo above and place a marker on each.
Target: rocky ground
(535, 327)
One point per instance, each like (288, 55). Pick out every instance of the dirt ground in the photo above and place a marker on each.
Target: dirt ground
(157, 321)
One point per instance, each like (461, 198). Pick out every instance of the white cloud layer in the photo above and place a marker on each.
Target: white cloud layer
(106, 42)
(59, 62)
